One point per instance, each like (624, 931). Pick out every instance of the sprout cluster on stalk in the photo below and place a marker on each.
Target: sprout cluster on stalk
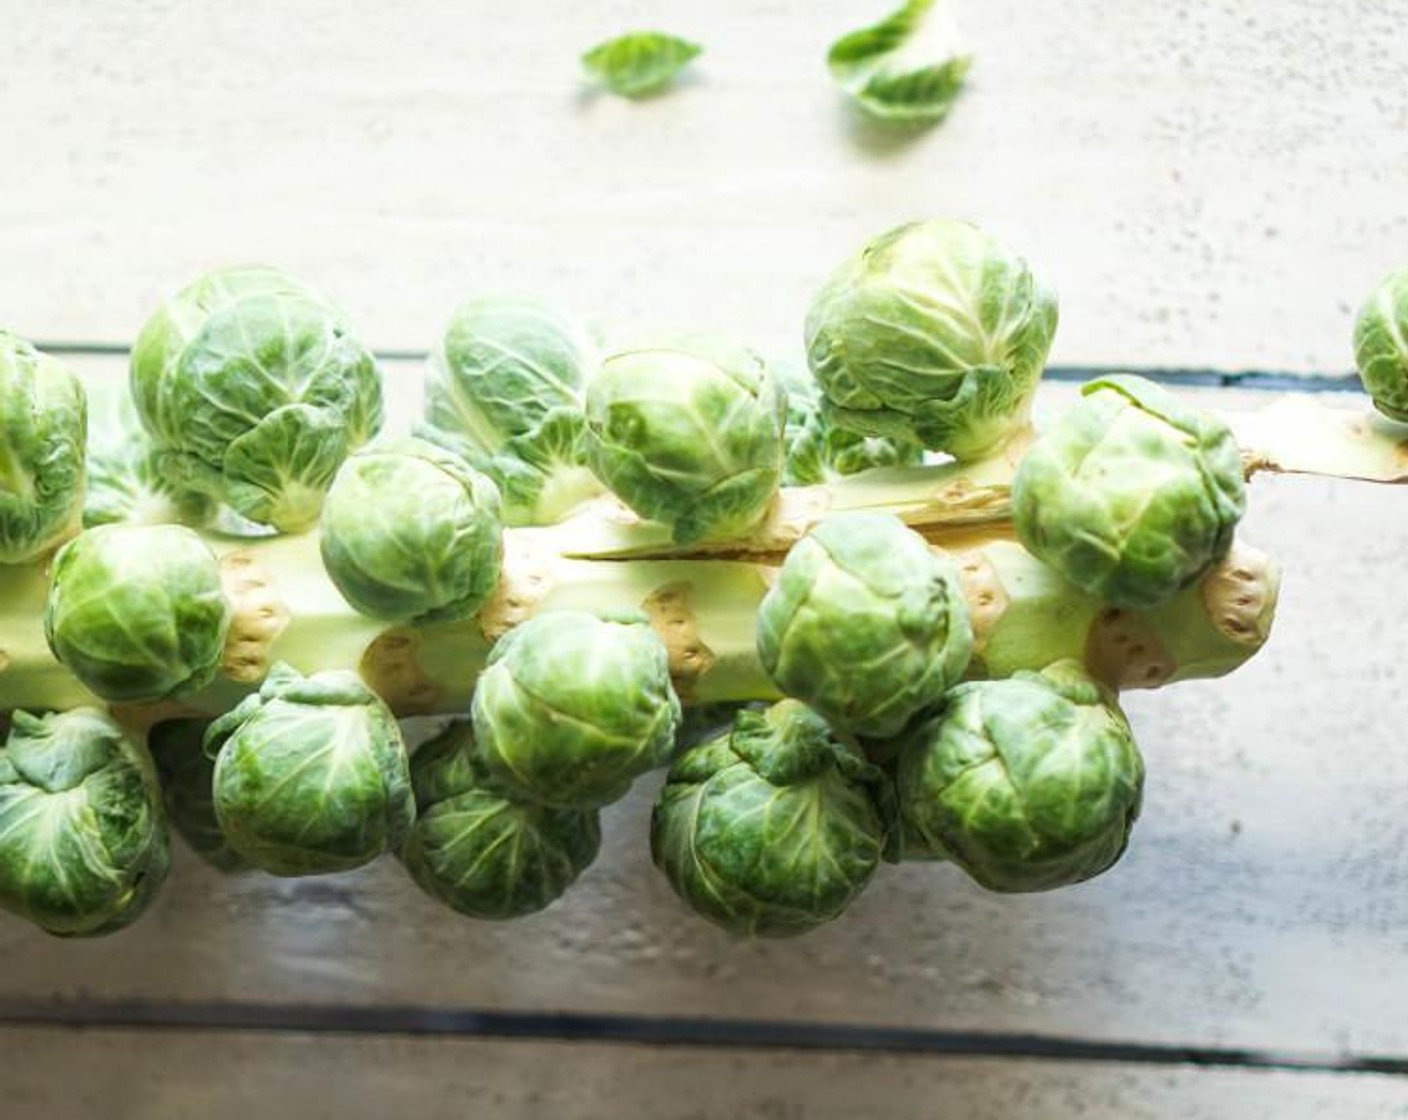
(603, 562)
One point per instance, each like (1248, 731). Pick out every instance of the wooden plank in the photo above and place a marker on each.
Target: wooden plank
(124, 1075)
(1214, 185)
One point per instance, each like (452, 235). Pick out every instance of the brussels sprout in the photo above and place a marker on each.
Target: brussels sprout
(310, 774)
(505, 393)
(1027, 784)
(43, 426)
(251, 385)
(866, 623)
(934, 335)
(571, 708)
(83, 845)
(1381, 345)
(819, 450)
(483, 853)
(187, 777)
(771, 829)
(410, 531)
(1131, 495)
(127, 485)
(137, 613)
(691, 439)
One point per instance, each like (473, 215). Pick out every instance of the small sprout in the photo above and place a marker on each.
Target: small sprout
(571, 709)
(137, 613)
(482, 852)
(866, 623)
(254, 391)
(187, 778)
(906, 69)
(1131, 495)
(1027, 784)
(1381, 345)
(639, 63)
(83, 843)
(820, 450)
(310, 774)
(410, 531)
(45, 421)
(771, 829)
(127, 485)
(693, 438)
(932, 335)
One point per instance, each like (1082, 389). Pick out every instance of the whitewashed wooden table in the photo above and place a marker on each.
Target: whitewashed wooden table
(1209, 185)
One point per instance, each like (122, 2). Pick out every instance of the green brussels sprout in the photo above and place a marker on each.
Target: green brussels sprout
(127, 485)
(1381, 345)
(690, 439)
(43, 426)
(83, 844)
(250, 384)
(771, 829)
(572, 708)
(410, 531)
(933, 334)
(310, 774)
(1131, 495)
(137, 612)
(505, 393)
(1027, 784)
(866, 623)
(187, 780)
(819, 450)
(481, 852)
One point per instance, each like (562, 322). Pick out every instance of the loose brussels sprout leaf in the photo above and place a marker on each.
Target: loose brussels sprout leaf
(1027, 784)
(891, 71)
(504, 393)
(691, 439)
(480, 852)
(43, 426)
(1131, 495)
(310, 774)
(126, 485)
(137, 613)
(771, 829)
(187, 779)
(866, 623)
(818, 450)
(932, 334)
(639, 63)
(83, 845)
(253, 389)
(410, 531)
(571, 709)
(1381, 345)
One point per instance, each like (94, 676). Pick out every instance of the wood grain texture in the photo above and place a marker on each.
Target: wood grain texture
(1209, 184)
(117, 1075)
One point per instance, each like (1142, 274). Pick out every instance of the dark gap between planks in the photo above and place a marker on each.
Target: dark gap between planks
(464, 1023)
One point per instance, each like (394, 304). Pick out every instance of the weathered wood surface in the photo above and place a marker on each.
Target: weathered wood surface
(1205, 183)
(124, 1075)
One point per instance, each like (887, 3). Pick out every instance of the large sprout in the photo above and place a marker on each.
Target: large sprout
(481, 852)
(187, 776)
(505, 392)
(820, 450)
(932, 334)
(43, 427)
(1381, 345)
(310, 774)
(83, 845)
(866, 623)
(1027, 784)
(693, 438)
(137, 613)
(572, 708)
(411, 531)
(1131, 495)
(771, 829)
(254, 389)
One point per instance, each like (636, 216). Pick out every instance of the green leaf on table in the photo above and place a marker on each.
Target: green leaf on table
(907, 68)
(639, 63)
